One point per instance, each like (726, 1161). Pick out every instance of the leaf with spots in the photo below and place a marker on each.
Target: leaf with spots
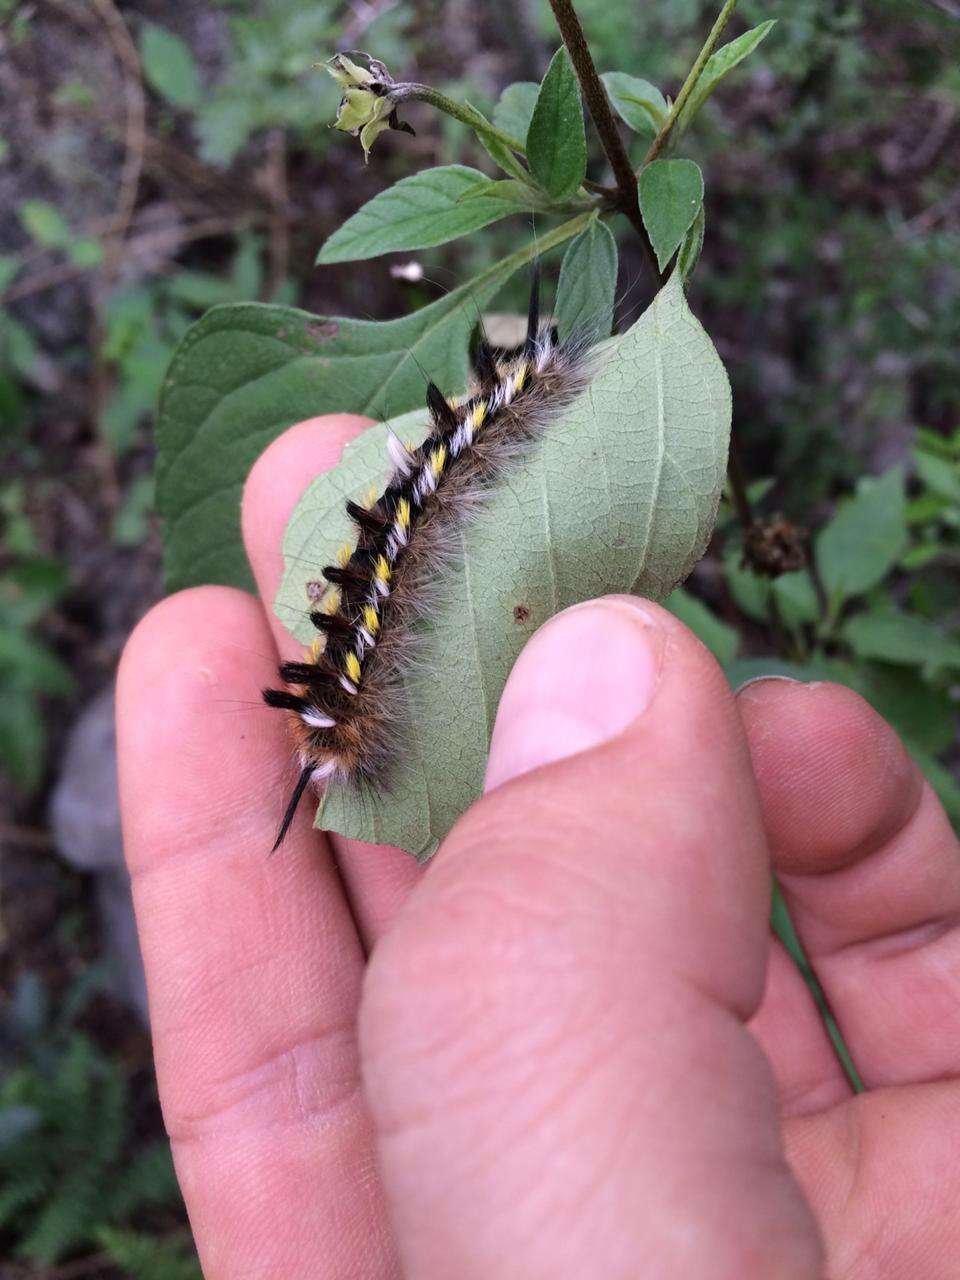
(620, 495)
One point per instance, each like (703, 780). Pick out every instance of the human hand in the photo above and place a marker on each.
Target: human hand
(568, 1047)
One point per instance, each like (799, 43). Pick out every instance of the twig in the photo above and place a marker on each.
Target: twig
(688, 86)
(276, 187)
(601, 113)
(738, 487)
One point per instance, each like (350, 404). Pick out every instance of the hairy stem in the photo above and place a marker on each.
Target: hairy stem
(601, 113)
(693, 76)
(411, 92)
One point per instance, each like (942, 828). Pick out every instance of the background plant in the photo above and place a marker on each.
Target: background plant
(829, 278)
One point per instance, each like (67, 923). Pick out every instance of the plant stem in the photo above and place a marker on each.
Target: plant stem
(601, 113)
(738, 487)
(688, 86)
(411, 92)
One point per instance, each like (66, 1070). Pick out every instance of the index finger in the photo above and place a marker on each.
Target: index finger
(253, 963)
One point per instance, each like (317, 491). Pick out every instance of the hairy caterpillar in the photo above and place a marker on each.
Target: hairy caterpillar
(345, 699)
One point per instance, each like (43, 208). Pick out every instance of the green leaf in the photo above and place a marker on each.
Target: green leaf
(917, 710)
(87, 251)
(45, 223)
(692, 245)
(519, 196)
(556, 142)
(130, 524)
(637, 102)
(587, 285)
(671, 195)
(722, 641)
(514, 111)
(423, 210)
(493, 146)
(867, 535)
(891, 636)
(169, 66)
(718, 67)
(646, 444)
(28, 666)
(22, 739)
(243, 374)
(795, 592)
(938, 474)
(9, 266)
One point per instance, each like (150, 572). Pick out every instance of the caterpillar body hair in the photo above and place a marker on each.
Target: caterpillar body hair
(345, 699)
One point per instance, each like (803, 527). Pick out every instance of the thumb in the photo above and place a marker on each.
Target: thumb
(553, 1034)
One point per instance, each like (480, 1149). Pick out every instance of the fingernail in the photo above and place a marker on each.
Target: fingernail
(582, 679)
(754, 680)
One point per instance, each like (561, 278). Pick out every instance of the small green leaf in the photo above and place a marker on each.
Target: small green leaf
(514, 111)
(797, 597)
(9, 266)
(494, 147)
(556, 142)
(795, 592)
(22, 739)
(722, 641)
(169, 66)
(938, 474)
(417, 212)
(131, 522)
(891, 636)
(45, 223)
(637, 102)
(671, 195)
(917, 710)
(243, 374)
(86, 252)
(587, 286)
(692, 245)
(718, 67)
(865, 539)
(647, 443)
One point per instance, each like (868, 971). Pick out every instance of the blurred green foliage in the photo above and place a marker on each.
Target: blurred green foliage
(70, 1179)
(830, 276)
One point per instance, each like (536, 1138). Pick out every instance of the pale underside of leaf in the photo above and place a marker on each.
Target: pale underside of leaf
(243, 374)
(620, 496)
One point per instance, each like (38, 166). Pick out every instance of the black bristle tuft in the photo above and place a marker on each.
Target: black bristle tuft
(368, 520)
(443, 415)
(533, 313)
(347, 576)
(308, 673)
(283, 700)
(306, 773)
(332, 624)
(485, 363)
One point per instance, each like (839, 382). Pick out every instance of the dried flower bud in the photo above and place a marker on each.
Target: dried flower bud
(775, 546)
(367, 107)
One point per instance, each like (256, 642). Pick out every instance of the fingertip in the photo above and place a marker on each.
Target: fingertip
(581, 679)
(836, 783)
(197, 618)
